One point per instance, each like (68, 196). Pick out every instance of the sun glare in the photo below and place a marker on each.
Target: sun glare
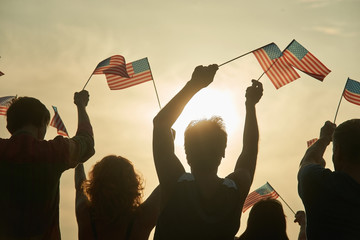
(207, 103)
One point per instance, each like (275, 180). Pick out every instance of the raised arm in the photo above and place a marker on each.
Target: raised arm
(246, 163)
(315, 152)
(168, 166)
(82, 145)
(82, 211)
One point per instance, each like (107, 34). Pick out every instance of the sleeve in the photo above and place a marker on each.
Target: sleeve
(81, 146)
(311, 178)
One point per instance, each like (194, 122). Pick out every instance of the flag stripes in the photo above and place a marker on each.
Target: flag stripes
(352, 91)
(264, 192)
(4, 104)
(112, 65)
(278, 70)
(305, 61)
(311, 142)
(57, 123)
(142, 75)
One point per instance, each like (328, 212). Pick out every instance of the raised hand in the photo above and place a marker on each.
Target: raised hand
(203, 76)
(81, 99)
(254, 93)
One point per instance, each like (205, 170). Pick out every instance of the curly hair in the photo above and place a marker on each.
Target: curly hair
(114, 189)
(205, 142)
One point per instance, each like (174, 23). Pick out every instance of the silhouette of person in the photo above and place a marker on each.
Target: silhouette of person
(31, 167)
(200, 205)
(332, 198)
(108, 205)
(266, 221)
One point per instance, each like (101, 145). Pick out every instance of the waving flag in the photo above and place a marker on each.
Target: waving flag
(112, 65)
(311, 142)
(4, 104)
(263, 192)
(138, 71)
(352, 91)
(278, 70)
(303, 60)
(57, 123)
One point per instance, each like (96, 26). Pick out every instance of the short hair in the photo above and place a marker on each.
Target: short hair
(26, 111)
(113, 189)
(347, 138)
(266, 221)
(205, 142)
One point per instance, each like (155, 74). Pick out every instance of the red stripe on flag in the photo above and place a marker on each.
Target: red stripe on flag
(280, 73)
(352, 97)
(3, 110)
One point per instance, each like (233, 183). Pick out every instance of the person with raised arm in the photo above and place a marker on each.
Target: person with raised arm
(200, 205)
(332, 198)
(31, 167)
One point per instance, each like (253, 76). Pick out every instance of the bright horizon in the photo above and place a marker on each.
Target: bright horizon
(48, 50)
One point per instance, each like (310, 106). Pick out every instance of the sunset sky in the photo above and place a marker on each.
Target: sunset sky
(49, 48)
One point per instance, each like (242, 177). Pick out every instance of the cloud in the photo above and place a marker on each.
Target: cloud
(328, 30)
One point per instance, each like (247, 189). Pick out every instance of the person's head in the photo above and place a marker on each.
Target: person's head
(346, 144)
(266, 221)
(27, 111)
(114, 189)
(205, 143)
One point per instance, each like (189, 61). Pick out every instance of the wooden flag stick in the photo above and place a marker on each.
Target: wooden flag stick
(87, 81)
(342, 94)
(243, 55)
(156, 92)
(282, 199)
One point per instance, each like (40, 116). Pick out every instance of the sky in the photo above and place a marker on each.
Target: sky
(49, 49)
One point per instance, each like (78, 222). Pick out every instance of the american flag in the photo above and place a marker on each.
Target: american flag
(278, 70)
(4, 104)
(352, 91)
(303, 60)
(263, 192)
(138, 71)
(1, 73)
(311, 142)
(57, 123)
(112, 65)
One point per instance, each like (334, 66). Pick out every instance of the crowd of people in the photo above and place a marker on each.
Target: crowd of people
(185, 205)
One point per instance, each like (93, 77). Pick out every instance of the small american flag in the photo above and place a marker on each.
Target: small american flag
(4, 104)
(112, 65)
(138, 71)
(303, 60)
(311, 142)
(57, 123)
(278, 70)
(263, 192)
(352, 91)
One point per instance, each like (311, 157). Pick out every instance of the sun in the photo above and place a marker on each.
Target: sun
(207, 103)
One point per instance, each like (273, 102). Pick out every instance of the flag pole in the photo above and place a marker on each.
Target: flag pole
(88, 80)
(281, 198)
(342, 94)
(243, 55)
(275, 60)
(156, 92)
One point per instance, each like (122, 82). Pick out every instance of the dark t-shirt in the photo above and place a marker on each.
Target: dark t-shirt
(332, 203)
(188, 216)
(30, 172)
